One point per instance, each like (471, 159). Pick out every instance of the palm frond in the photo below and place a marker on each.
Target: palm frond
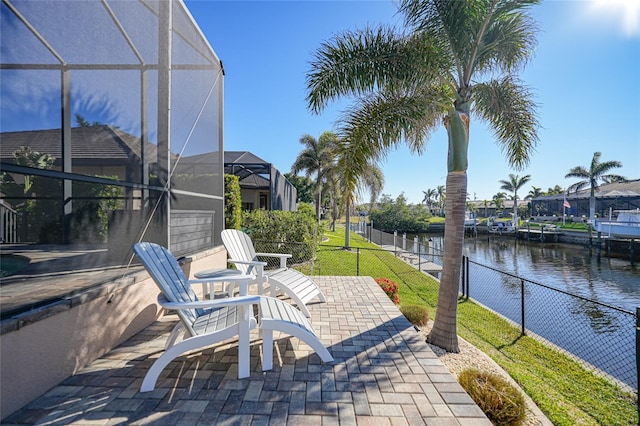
(509, 108)
(578, 172)
(356, 63)
(508, 43)
(479, 35)
(383, 120)
(577, 186)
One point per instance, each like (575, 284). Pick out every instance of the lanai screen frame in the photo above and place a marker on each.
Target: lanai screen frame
(180, 64)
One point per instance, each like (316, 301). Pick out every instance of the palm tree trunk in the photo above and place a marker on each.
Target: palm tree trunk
(444, 331)
(318, 205)
(592, 206)
(347, 231)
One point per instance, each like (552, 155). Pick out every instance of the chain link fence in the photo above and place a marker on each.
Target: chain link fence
(600, 337)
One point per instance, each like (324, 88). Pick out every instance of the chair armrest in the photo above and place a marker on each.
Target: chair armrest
(248, 262)
(204, 304)
(222, 278)
(283, 257)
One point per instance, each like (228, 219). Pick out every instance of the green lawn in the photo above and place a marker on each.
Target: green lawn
(563, 389)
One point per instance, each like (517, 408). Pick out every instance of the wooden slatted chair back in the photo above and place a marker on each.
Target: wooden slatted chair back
(169, 277)
(239, 247)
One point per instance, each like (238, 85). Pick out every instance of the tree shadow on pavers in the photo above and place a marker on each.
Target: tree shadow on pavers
(203, 385)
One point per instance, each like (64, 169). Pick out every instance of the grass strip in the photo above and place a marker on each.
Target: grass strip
(563, 388)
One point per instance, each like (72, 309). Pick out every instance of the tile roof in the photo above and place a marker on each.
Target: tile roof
(86, 143)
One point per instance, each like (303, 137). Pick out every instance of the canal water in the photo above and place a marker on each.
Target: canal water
(601, 336)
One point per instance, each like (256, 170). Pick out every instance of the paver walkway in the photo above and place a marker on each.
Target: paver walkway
(383, 374)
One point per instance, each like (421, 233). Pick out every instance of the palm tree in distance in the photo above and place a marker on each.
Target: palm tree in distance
(441, 194)
(498, 200)
(453, 55)
(597, 171)
(371, 179)
(429, 197)
(512, 185)
(556, 190)
(535, 192)
(316, 158)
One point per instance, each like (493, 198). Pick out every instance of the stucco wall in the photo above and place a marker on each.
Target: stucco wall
(47, 347)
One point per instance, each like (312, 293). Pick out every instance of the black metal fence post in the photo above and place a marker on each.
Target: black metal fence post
(468, 275)
(523, 330)
(464, 273)
(358, 261)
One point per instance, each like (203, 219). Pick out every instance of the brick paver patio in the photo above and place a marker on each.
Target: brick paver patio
(383, 374)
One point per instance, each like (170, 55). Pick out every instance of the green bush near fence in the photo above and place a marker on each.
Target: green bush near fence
(273, 229)
(566, 392)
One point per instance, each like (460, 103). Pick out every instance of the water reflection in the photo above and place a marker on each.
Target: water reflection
(601, 335)
(566, 267)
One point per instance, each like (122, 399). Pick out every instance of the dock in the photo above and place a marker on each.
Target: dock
(538, 234)
(412, 259)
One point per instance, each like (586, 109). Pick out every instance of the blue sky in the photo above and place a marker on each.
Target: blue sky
(585, 75)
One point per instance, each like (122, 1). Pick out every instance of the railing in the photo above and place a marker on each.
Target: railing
(8, 224)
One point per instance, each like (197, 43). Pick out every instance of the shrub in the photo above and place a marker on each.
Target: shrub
(232, 202)
(416, 314)
(499, 400)
(276, 231)
(391, 288)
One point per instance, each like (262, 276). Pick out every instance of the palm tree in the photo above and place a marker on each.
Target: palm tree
(512, 185)
(441, 193)
(372, 179)
(596, 172)
(429, 196)
(316, 159)
(535, 192)
(453, 55)
(498, 200)
(486, 204)
(555, 190)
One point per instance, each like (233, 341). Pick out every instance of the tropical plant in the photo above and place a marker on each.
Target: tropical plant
(441, 196)
(498, 201)
(232, 202)
(513, 184)
(396, 215)
(351, 186)
(305, 187)
(429, 198)
(486, 204)
(597, 171)
(535, 192)
(555, 190)
(452, 56)
(25, 156)
(390, 287)
(316, 159)
(278, 227)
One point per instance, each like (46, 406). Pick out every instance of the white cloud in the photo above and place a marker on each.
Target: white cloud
(624, 15)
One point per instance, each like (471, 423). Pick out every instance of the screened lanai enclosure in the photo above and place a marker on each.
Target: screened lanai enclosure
(101, 100)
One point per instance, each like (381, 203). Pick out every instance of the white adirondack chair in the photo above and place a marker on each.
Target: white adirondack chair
(300, 288)
(207, 322)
